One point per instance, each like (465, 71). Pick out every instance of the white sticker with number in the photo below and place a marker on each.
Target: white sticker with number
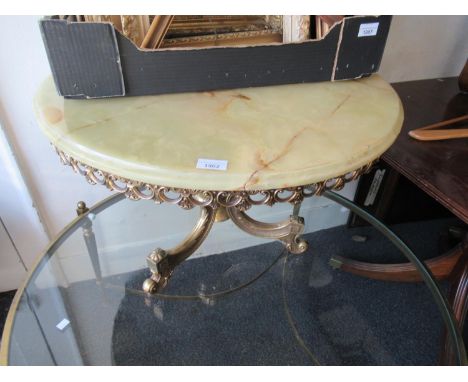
(369, 29)
(374, 188)
(62, 324)
(212, 164)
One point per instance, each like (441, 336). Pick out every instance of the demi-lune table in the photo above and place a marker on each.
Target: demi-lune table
(225, 151)
(267, 145)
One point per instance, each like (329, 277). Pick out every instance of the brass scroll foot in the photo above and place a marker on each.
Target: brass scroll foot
(161, 271)
(288, 231)
(163, 262)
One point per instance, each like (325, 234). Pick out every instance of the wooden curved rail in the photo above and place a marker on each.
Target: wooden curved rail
(441, 267)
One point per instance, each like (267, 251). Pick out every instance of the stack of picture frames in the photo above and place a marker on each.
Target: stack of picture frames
(163, 31)
(324, 23)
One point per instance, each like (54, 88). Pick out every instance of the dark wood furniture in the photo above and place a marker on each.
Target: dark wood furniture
(439, 168)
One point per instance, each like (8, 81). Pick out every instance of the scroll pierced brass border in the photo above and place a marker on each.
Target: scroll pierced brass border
(189, 198)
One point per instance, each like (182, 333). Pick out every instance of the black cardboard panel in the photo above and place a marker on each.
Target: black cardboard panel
(84, 58)
(172, 71)
(360, 56)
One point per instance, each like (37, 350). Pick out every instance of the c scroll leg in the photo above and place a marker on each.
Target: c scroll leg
(288, 231)
(163, 262)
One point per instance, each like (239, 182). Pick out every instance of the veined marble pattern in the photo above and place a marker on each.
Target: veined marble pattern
(272, 137)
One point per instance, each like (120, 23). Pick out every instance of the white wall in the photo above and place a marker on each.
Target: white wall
(418, 47)
(11, 268)
(23, 67)
(421, 47)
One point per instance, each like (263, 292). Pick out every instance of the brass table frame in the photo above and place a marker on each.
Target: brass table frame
(215, 206)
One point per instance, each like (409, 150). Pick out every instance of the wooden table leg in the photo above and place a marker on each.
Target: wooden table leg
(452, 265)
(458, 297)
(453, 326)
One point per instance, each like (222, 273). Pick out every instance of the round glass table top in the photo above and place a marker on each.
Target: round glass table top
(239, 300)
(257, 138)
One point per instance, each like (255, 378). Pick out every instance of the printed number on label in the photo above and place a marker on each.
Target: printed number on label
(212, 164)
(369, 29)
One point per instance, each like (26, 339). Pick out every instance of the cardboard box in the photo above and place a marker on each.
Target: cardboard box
(94, 60)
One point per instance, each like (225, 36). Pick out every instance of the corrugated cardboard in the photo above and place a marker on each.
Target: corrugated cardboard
(93, 60)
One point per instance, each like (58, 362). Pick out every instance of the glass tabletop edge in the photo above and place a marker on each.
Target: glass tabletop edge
(63, 234)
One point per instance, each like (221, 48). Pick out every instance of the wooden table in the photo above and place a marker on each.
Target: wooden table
(439, 168)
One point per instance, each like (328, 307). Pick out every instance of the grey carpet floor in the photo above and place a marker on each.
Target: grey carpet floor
(5, 301)
(301, 312)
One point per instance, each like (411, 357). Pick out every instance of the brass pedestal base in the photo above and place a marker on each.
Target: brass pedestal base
(163, 262)
(216, 206)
